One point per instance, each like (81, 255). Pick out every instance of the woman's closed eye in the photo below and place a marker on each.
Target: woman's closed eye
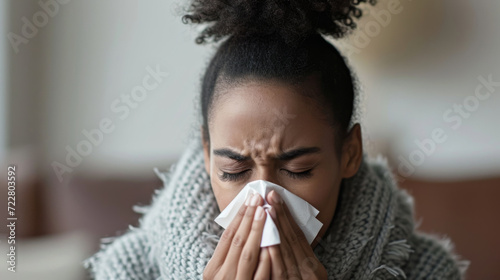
(226, 176)
(232, 176)
(299, 175)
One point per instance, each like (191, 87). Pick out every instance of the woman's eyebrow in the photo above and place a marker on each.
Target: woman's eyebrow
(291, 154)
(288, 155)
(225, 152)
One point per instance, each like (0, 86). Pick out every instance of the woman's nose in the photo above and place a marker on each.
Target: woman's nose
(267, 174)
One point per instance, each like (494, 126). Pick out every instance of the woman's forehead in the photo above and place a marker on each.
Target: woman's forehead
(269, 117)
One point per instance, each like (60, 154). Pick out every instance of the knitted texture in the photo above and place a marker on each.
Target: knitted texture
(372, 234)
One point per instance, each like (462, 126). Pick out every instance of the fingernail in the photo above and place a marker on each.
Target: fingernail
(259, 214)
(276, 198)
(249, 197)
(254, 201)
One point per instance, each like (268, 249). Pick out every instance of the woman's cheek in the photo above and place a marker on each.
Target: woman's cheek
(319, 192)
(224, 194)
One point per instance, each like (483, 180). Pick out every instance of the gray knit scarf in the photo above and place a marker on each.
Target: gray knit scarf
(372, 235)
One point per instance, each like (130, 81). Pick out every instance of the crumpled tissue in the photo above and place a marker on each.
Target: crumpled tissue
(303, 212)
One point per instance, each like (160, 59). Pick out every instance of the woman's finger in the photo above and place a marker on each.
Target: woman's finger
(287, 252)
(294, 242)
(250, 255)
(241, 236)
(278, 270)
(264, 267)
(222, 248)
(298, 232)
(306, 259)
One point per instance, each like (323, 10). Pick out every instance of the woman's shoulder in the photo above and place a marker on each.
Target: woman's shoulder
(124, 257)
(433, 257)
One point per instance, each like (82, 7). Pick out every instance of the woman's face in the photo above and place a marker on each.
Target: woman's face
(268, 131)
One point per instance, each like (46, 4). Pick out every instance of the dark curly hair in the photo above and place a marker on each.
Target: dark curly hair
(278, 39)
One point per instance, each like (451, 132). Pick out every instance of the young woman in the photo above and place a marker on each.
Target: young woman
(278, 103)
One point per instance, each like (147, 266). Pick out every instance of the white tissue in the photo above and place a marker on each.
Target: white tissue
(303, 212)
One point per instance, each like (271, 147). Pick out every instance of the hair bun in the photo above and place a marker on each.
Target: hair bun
(292, 19)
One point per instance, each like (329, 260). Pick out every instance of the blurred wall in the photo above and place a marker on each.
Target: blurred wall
(421, 63)
(416, 60)
(3, 80)
(87, 65)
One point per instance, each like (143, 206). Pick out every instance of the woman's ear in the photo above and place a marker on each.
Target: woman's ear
(352, 152)
(206, 151)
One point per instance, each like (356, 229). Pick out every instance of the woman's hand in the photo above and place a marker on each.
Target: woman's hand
(238, 254)
(293, 258)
